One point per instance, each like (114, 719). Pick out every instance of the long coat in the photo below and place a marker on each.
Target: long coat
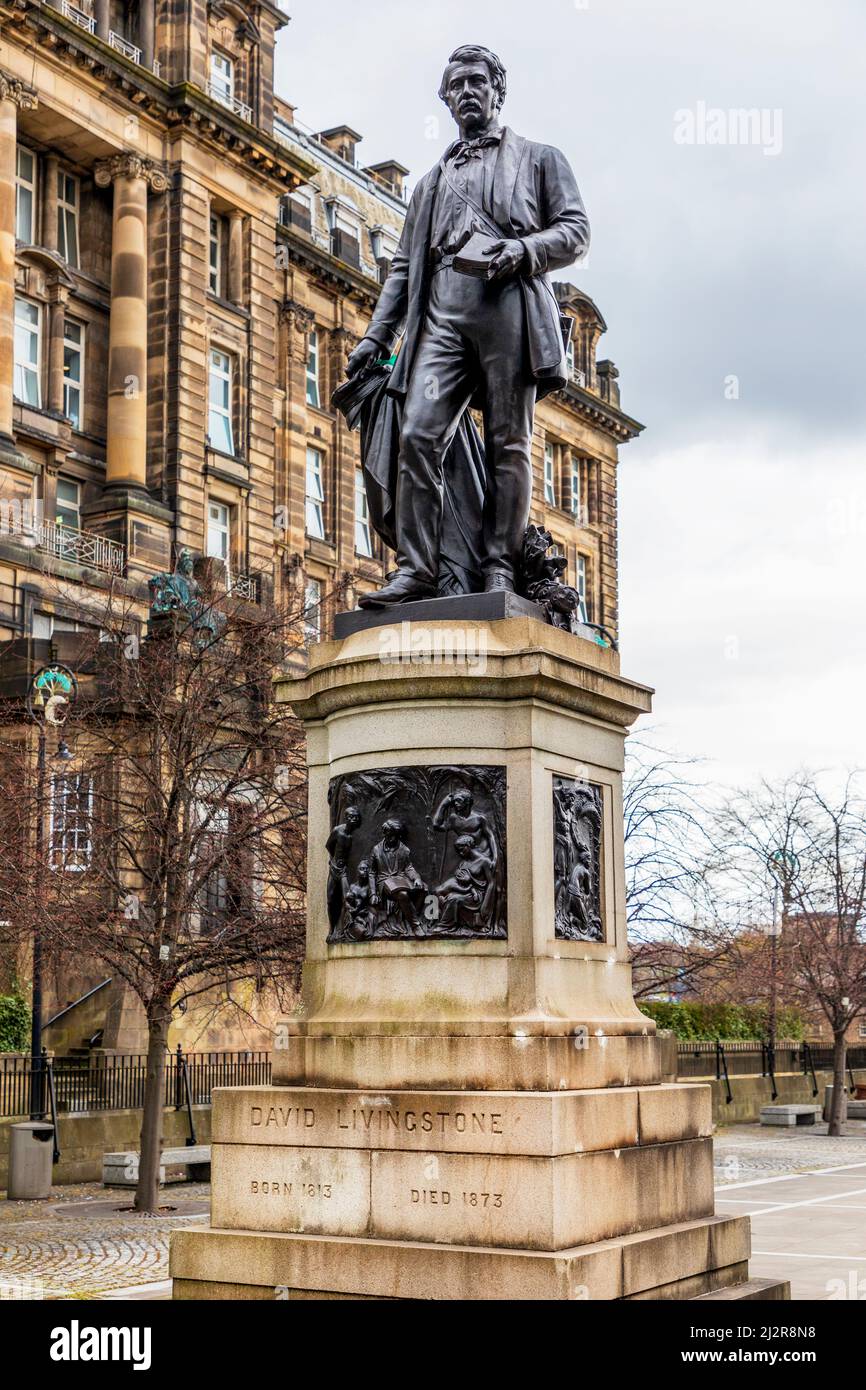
(535, 198)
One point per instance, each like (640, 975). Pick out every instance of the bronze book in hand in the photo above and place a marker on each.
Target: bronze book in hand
(475, 257)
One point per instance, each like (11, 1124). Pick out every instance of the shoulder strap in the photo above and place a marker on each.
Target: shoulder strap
(491, 226)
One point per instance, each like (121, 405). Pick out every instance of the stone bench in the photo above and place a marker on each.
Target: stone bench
(856, 1108)
(790, 1114)
(177, 1165)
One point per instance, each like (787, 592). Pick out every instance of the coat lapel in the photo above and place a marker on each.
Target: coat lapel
(512, 148)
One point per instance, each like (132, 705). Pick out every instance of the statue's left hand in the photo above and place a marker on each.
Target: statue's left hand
(507, 259)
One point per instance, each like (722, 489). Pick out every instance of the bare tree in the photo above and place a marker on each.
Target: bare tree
(175, 849)
(675, 936)
(791, 868)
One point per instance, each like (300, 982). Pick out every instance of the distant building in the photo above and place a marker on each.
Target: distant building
(183, 272)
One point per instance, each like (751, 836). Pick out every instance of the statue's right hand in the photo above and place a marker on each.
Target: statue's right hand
(363, 355)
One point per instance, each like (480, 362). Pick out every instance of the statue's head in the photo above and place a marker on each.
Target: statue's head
(185, 562)
(363, 871)
(473, 85)
(464, 845)
(462, 803)
(392, 830)
(353, 818)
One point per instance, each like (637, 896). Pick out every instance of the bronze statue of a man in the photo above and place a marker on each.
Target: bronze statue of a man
(491, 337)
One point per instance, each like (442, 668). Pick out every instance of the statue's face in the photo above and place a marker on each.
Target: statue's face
(353, 819)
(462, 804)
(470, 94)
(185, 562)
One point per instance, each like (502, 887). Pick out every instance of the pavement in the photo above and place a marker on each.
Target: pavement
(84, 1242)
(805, 1194)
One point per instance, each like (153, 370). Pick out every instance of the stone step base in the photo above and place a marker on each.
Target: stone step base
(758, 1290)
(459, 1062)
(682, 1261)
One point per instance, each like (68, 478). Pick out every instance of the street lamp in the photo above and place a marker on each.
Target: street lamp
(784, 866)
(51, 694)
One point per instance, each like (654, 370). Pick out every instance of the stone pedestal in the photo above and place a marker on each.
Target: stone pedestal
(469, 1104)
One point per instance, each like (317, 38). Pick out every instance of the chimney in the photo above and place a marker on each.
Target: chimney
(390, 174)
(342, 139)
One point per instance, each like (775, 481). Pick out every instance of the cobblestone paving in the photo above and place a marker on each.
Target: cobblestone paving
(78, 1244)
(756, 1151)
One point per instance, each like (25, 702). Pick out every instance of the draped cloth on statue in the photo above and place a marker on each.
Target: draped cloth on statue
(364, 402)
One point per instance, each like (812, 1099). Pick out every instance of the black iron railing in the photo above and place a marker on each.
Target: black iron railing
(80, 1085)
(723, 1059)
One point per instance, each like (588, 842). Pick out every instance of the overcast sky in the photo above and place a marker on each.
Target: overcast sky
(731, 276)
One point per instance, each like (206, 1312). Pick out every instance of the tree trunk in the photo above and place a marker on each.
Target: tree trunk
(147, 1192)
(839, 1108)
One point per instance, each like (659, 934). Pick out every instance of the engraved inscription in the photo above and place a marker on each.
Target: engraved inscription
(373, 1120)
(262, 1188)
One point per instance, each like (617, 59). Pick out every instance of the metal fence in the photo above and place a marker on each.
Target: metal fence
(724, 1059)
(753, 1058)
(80, 1085)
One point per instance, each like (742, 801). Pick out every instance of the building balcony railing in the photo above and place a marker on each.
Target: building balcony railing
(245, 586)
(122, 45)
(232, 103)
(80, 17)
(82, 547)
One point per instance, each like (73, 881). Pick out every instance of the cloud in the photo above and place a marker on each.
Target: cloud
(709, 262)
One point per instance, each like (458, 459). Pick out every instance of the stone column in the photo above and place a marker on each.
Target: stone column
(57, 322)
(102, 10)
(12, 95)
(236, 257)
(126, 461)
(147, 32)
(50, 170)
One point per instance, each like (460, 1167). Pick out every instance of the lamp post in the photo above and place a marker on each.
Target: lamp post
(50, 696)
(784, 866)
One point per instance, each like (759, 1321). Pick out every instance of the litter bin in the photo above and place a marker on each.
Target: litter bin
(31, 1154)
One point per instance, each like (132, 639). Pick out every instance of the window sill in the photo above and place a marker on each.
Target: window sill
(240, 309)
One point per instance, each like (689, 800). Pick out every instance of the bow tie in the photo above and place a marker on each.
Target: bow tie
(464, 150)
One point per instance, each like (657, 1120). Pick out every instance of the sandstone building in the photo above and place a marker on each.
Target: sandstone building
(183, 272)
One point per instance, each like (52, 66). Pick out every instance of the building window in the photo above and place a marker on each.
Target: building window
(67, 217)
(220, 431)
(312, 611)
(346, 244)
(219, 531)
(28, 352)
(70, 822)
(569, 358)
(297, 211)
(583, 611)
(313, 394)
(315, 508)
(73, 371)
(550, 475)
(574, 476)
(68, 510)
(222, 78)
(363, 535)
(25, 196)
(215, 242)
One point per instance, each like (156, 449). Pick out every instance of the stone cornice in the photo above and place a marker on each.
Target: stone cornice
(327, 269)
(600, 413)
(130, 165)
(40, 26)
(13, 90)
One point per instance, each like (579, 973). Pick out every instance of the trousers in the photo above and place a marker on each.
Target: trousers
(473, 341)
